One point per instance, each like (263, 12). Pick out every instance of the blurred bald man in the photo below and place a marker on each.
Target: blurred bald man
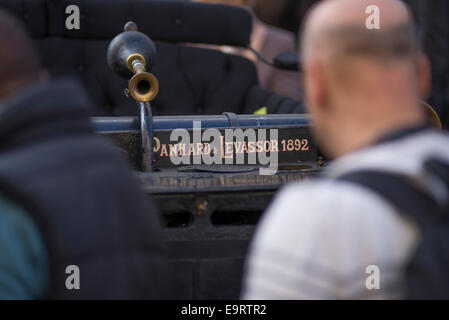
(374, 224)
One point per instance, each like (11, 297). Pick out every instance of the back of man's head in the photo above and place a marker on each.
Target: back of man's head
(360, 81)
(19, 63)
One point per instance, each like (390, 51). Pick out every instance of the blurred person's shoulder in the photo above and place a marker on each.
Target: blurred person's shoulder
(277, 41)
(341, 214)
(402, 153)
(284, 38)
(275, 38)
(328, 232)
(326, 209)
(336, 207)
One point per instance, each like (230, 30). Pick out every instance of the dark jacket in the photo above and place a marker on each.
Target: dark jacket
(88, 207)
(433, 23)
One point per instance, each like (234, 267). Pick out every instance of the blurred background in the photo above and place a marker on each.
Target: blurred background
(432, 18)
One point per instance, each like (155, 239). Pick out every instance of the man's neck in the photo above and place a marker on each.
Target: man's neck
(360, 135)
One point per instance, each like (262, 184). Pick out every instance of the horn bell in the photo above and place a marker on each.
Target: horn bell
(143, 87)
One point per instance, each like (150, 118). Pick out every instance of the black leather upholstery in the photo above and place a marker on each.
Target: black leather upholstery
(192, 80)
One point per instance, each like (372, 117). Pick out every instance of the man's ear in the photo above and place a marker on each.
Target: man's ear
(424, 77)
(315, 86)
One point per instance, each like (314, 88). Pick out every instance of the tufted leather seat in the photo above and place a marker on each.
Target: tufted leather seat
(192, 80)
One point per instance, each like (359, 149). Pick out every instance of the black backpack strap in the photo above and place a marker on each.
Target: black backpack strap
(438, 168)
(398, 190)
(403, 192)
(426, 272)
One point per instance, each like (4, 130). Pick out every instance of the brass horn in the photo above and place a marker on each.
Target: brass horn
(130, 54)
(143, 86)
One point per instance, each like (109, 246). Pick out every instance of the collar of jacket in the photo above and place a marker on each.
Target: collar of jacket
(402, 133)
(42, 111)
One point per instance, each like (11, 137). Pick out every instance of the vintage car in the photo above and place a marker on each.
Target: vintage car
(205, 167)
